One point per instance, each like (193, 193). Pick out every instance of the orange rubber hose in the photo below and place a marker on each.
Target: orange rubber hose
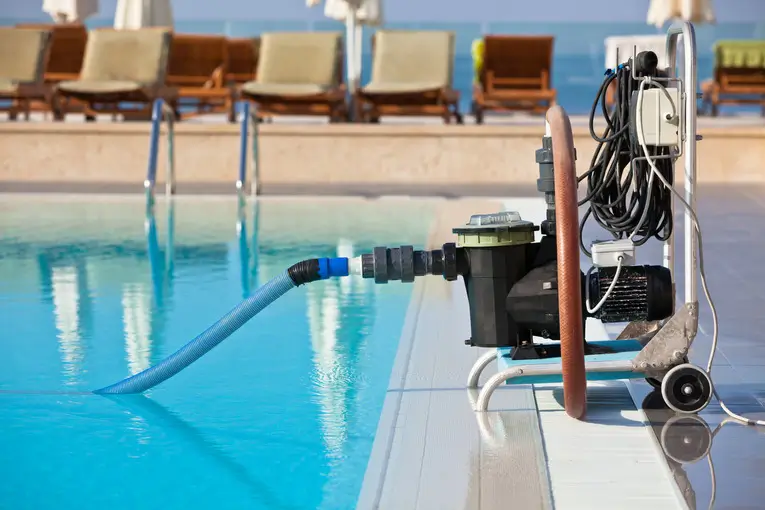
(569, 272)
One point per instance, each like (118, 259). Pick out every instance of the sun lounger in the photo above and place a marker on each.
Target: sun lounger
(412, 74)
(299, 73)
(67, 49)
(516, 75)
(23, 55)
(739, 75)
(197, 68)
(121, 67)
(242, 59)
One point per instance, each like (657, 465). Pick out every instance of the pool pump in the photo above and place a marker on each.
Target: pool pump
(520, 288)
(511, 281)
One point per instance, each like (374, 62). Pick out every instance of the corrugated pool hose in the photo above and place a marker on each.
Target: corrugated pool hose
(303, 272)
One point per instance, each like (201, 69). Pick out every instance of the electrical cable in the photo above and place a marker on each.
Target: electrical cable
(715, 322)
(621, 195)
(608, 292)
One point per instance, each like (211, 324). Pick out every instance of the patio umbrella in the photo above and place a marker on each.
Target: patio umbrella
(695, 11)
(355, 13)
(70, 11)
(133, 14)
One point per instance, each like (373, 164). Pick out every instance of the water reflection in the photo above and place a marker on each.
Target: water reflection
(340, 318)
(687, 440)
(248, 255)
(143, 308)
(64, 284)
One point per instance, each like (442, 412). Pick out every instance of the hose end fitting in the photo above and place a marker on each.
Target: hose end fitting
(312, 270)
(405, 263)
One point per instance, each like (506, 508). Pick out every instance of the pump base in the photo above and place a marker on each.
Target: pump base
(606, 350)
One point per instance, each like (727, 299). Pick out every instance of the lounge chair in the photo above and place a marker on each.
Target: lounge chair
(412, 74)
(242, 59)
(120, 67)
(67, 49)
(23, 55)
(515, 76)
(739, 76)
(299, 74)
(197, 68)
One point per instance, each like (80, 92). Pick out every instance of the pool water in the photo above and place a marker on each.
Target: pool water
(281, 415)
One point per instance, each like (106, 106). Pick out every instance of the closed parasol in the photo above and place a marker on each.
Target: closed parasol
(70, 11)
(133, 14)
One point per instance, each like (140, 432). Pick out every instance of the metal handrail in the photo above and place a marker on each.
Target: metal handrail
(686, 30)
(249, 118)
(160, 111)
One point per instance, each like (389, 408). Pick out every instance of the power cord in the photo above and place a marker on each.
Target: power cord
(667, 185)
(608, 292)
(621, 195)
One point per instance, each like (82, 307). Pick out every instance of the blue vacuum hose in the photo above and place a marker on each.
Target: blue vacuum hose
(303, 272)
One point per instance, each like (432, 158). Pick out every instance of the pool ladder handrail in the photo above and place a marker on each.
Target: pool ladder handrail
(160, 111)
(249, 117)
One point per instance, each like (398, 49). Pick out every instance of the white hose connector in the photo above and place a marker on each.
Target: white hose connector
(354, 266)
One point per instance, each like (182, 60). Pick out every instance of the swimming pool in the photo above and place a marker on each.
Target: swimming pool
(281, 415)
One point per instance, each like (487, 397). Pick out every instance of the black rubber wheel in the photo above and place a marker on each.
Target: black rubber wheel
(477, 112)
(686, 389)
(656, 383)
(686, 439)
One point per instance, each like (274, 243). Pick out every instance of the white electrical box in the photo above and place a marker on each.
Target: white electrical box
(661, 114)
(607, 253)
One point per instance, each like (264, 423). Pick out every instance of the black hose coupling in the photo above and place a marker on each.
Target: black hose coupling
(404, 263)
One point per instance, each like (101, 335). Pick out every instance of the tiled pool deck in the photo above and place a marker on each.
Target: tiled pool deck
(433, 452)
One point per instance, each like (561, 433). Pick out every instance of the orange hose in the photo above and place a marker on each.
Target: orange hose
(569, 272)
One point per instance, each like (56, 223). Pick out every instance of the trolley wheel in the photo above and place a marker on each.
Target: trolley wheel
(477, 112)
(656, 383)
(686, 439)
(569, 272)
(686, 389)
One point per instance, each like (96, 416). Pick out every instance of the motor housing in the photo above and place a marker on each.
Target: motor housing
(641, 293)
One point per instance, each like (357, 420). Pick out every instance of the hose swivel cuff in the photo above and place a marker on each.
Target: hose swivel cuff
(405, 263)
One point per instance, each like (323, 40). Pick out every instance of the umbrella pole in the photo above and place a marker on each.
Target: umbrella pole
(351, 23)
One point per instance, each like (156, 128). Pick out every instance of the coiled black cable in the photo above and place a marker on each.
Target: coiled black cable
(618, 195)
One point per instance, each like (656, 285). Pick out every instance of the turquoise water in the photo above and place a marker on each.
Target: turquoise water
(281, 415)
(578, 64)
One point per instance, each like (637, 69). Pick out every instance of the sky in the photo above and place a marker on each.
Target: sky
(422, 10)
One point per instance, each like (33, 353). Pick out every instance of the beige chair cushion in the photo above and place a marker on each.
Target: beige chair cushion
(22, 54)
(401, 87)
(135, 56)
(409, 61)
(99, 87)
(300, 58)
(8, 87)
(284, 89)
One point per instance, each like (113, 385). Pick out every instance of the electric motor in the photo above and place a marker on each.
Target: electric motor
(641, 293)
